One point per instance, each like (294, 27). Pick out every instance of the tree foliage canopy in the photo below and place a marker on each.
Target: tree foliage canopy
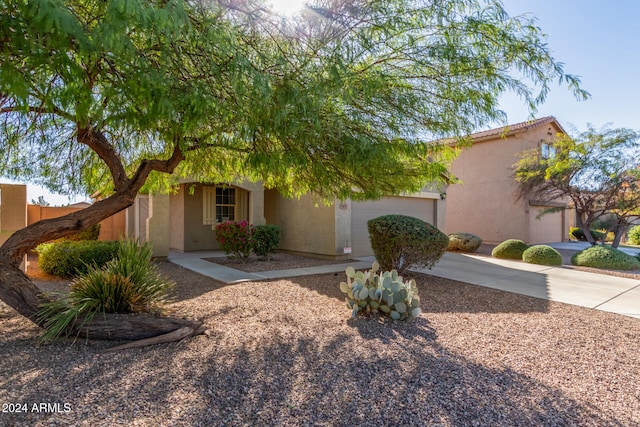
(355, 101)
(346, 102)
(598, 170)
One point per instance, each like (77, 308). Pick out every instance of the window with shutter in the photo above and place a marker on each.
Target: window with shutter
(218, 205)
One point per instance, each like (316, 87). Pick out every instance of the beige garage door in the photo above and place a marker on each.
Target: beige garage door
(546, 229)
(361, 212)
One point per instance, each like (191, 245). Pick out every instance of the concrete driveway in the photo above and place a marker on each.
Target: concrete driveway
(593, 290)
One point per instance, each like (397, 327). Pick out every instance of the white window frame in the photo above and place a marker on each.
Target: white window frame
(547, 150)
(210, 205)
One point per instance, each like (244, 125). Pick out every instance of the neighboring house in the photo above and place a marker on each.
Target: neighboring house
(185, 221)
(15, 213)
(486, 203)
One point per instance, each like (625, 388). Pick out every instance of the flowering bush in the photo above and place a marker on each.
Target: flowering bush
(234, 238)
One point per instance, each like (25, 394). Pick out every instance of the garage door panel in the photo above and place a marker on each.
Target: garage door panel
(361, 212)
(546, 229)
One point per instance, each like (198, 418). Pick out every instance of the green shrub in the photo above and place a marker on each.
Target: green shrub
(605, 257)
(577, 234)
(609, 236)
(90, 233)
(510, 249)
(400, 242)
(234, 238)
(384, 293)
(265, 239)
(68, 259)
(129, 283)
(542, 254)
(464, 242)
(633, 235)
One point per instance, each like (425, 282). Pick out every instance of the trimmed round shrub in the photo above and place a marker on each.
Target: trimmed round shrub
(510, 249)
(605, 257)
(633, 236)
(400, 242)
(463, 242)
(68, 258)
(542, 255)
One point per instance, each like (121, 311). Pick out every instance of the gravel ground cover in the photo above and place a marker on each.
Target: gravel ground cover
(287, 353)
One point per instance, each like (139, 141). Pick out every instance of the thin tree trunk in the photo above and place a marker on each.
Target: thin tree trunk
(586, 230)
(618, 233)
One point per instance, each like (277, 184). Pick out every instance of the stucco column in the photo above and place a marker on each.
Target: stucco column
(342, 226)
(256, 203)
(158, 224)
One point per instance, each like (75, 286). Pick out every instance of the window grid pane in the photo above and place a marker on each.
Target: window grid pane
(225, 204)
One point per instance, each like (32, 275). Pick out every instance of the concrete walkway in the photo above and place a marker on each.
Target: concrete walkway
(592, 290)
(194, 261)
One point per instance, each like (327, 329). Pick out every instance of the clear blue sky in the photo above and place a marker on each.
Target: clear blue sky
(595, 39)
(600, 42)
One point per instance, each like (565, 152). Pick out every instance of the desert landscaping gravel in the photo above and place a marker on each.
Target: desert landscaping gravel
(287, 353)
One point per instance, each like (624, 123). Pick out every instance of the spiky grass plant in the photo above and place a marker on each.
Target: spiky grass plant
(130, 283)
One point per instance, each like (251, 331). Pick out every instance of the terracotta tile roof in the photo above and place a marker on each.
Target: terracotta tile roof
(518, 127)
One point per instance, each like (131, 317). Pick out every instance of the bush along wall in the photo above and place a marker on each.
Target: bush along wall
(70, 258)
(576, 233)
(238, 239)
(463, 242)
(265, 239)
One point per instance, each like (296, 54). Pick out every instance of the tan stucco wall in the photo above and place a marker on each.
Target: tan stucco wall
(197, 236)
(112, 228)
(176, 220)
(13, 209)
(158, 224)
(304, 226)
(187, 231)
(486, 202)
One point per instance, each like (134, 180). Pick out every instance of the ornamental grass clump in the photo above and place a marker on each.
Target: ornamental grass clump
(130, 283)
(605, 257)
(542, 255)
(510, 249)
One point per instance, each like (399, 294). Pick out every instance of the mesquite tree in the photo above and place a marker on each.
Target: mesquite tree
(115, 95)
(598, 171)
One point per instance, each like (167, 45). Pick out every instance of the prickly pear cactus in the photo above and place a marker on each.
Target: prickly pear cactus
(384, 293)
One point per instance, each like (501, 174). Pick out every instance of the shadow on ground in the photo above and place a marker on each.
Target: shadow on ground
(393, 376)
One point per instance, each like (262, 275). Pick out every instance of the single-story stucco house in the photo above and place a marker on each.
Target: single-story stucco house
(184, 221)
(486, 203)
